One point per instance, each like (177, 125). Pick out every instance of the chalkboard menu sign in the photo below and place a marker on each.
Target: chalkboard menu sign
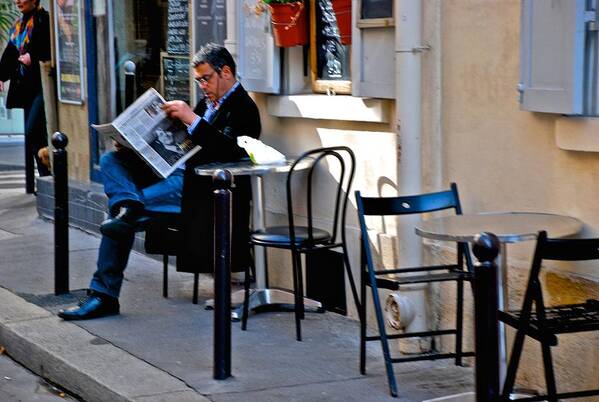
(210, 22)
(175, 77)
(67, 27)
(332, 57)
(177, 35)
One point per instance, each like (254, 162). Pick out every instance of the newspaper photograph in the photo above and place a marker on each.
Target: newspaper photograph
(144, 127)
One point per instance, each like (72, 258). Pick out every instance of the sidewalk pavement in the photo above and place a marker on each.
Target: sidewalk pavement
(161, 349)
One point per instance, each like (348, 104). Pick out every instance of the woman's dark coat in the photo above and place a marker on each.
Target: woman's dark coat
(24, 88)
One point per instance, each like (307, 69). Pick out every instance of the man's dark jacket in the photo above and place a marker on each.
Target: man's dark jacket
(237, 116)
(24, 88)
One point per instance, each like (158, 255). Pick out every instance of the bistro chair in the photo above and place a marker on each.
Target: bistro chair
(393, 279)
(300, 239)
(163, 236)
(544, 323)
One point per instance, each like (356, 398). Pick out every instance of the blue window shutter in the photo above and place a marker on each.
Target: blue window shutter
(258, 64)
(552, 56)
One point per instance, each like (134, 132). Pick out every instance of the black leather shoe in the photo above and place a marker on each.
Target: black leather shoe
(96, 305)
(124, 224)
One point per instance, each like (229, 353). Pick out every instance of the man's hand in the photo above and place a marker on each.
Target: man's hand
(179, 110)
(117, 146)
(25, 59)
(1, 86)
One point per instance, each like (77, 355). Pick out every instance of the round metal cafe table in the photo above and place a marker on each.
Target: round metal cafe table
(260, 295)
(509, 227)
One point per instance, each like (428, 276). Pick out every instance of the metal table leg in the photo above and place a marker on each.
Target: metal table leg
(502, 304)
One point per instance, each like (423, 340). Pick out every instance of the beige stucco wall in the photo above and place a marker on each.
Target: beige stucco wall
(507, 159)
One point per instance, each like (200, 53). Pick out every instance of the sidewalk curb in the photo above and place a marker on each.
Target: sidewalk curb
(80, 362)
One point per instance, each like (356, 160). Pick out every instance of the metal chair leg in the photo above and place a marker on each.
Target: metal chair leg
(459, 321)
(196, 280)
(350, 276)
(549, 375)
(165, 275)
(362, 310)
(296, 293)
(512, 368)
(383, 335)
(246, 297)
(300, 286)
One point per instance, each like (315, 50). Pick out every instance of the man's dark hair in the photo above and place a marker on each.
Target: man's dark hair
(215, 55)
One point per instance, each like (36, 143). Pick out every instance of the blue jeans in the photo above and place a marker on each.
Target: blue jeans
(128, 179)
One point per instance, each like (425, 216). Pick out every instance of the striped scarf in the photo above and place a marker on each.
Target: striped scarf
(20, 33)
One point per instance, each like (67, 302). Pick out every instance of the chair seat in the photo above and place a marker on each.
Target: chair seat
(560, 319)
(163, 234)
(395, 283)
(279, 236)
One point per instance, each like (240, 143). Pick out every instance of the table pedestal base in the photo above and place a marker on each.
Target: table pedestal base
(276, 299)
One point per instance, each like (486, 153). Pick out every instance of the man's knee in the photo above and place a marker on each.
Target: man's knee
(108, 159)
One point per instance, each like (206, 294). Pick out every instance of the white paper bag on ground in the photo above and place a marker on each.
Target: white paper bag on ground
(259, 152)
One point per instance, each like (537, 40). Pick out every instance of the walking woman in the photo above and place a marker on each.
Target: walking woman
(28, 44)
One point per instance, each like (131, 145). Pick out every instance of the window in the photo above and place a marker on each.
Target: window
(334, 62)
(559, 52)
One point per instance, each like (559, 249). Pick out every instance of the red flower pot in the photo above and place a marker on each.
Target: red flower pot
(342, 10)
(289, 24)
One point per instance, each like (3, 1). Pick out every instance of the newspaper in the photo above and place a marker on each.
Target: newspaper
(162, 143)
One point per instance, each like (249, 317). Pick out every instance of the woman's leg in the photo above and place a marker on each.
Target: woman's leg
(35, 132)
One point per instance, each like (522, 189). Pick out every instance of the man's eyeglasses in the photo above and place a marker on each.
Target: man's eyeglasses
(203, 80)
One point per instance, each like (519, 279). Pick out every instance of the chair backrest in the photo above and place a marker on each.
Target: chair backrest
(309, 161)
(410, 204)
(555, 250)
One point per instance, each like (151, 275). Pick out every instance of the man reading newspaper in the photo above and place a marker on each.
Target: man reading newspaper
(225, 112)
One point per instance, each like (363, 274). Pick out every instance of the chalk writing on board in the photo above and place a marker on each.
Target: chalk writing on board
(331, 54)
(177, 36)
(210, 22)
(175, 75)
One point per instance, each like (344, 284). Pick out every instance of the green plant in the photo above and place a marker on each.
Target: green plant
(8, 16)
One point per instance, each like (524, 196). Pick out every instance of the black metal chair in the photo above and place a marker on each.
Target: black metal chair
(163, 236)
(306, 239)
(393, 279)
(544, 323)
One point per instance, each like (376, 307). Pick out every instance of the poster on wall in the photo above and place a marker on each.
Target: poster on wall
(67, 28)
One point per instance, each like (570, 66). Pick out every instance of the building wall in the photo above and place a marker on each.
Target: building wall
(505, 159)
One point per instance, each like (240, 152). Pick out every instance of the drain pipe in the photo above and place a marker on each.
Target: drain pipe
(408, 48)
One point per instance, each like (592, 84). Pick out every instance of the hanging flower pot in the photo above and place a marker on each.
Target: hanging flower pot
(289, 23)
(342, 10)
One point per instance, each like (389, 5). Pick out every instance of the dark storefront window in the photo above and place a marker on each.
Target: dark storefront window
(125, 30)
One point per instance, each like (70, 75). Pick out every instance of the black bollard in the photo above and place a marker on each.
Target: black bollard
(129, 83)
(61, 214)
(486, 249)
(223, 181)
